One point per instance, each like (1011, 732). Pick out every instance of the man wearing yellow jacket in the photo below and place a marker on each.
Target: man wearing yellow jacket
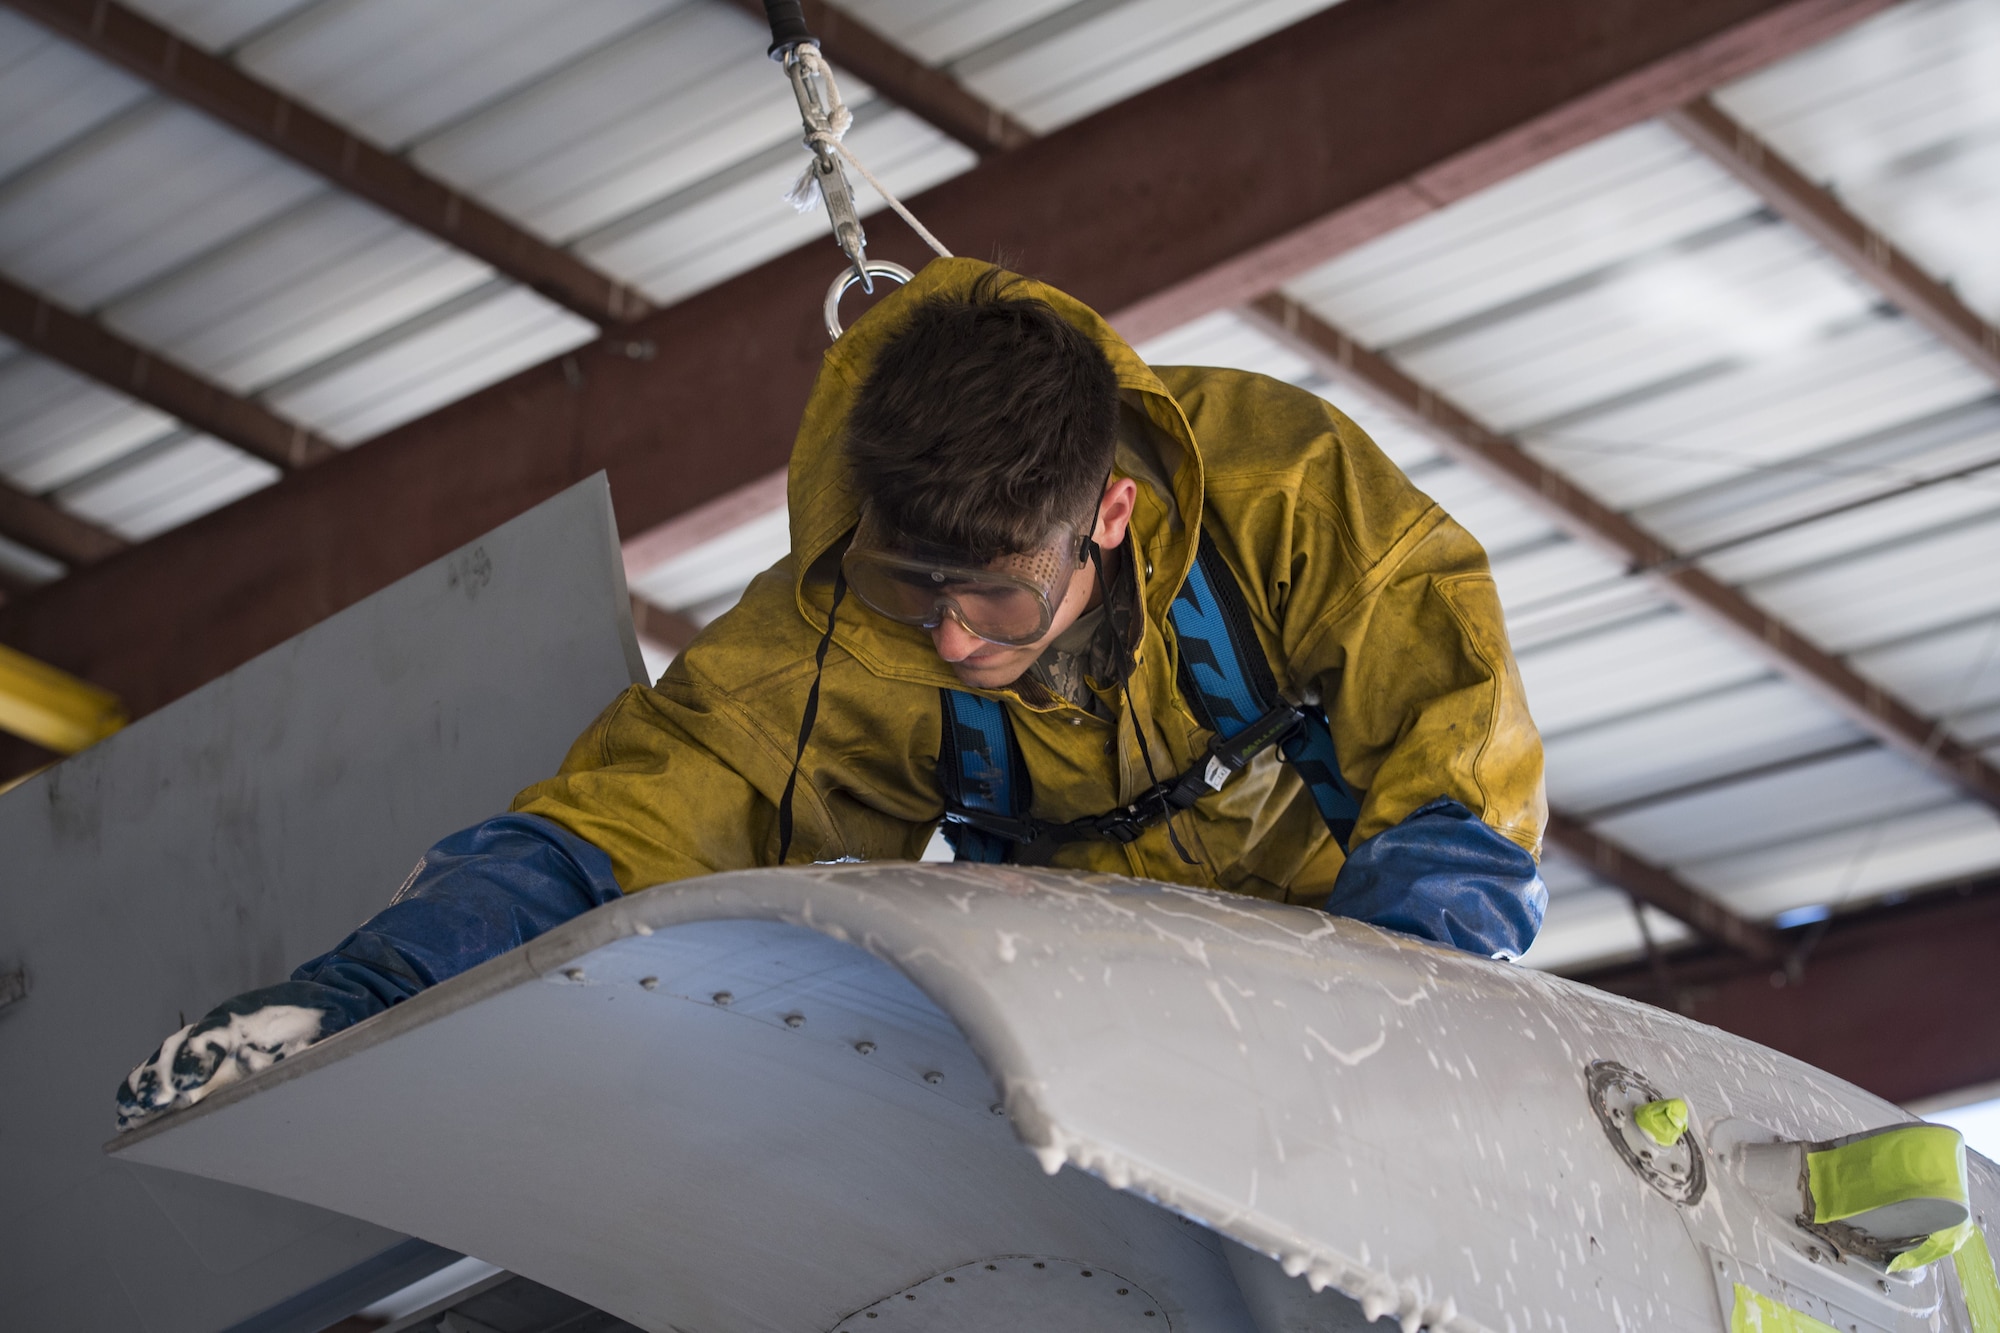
(1089, 613)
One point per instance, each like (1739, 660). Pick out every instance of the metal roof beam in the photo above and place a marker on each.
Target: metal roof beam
(1192, 196)
(251, 107)
(1922, 739)
(1901, 998)
(92, 350)
(40, 526)
(1707, 916)
(666, 629)
(932, 95)
(1816, 211)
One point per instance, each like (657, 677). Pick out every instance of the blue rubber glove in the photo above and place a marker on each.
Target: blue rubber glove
(472, 897)
(1444, 875)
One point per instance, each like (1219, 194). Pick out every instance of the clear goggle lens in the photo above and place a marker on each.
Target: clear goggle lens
(1009, 601)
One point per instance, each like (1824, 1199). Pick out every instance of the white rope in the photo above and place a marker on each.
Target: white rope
(828, 132)
(919, 228)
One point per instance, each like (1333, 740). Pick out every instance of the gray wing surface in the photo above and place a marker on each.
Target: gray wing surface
(798, 1099)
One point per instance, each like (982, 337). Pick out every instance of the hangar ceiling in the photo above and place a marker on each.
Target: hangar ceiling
(1689, 317)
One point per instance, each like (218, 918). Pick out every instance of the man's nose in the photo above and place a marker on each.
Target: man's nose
(954, 642)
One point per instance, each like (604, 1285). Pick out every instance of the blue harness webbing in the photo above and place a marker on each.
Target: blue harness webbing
(1228, 683)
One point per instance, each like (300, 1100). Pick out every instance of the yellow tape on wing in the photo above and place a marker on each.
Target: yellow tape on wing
(1938, 1245)
(1663, 1121)
(1977, 1280)
(1909, 1162)
(1757, 1313)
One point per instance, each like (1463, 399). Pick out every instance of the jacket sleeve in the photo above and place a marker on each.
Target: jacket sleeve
(1444, 875)
(502, 882)
(1431, 723)
(472, 897)
(669, 782)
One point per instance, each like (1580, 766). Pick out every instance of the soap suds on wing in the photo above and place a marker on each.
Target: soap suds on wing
(1354, 1057)
(1216, 991)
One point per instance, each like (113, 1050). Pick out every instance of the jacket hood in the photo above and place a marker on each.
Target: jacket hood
(824, 505)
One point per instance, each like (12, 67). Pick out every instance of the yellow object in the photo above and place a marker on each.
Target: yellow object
(1936, 1246)
(1361, 589)
(1977, 1280)
(1663, 1121)
(52, 708)
(1894, 1166)
(1755, 1313)
(1907, 1162)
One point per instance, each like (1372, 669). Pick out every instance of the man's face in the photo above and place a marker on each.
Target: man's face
(987, 665)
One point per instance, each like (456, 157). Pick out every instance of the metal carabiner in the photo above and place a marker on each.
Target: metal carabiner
(876, 268)
(825, 120)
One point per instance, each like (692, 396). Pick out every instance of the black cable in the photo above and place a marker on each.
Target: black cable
(788, 26)
(811, 714)
(1125, 689)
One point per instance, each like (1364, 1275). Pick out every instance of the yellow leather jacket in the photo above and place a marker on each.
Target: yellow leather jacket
(1365, 594)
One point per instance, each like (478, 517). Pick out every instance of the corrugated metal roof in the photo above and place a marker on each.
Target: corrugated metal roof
(51, 93)
(1086, 57)
(167, 485)
(1902, 117)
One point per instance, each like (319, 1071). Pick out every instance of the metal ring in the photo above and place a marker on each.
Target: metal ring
(877, 268)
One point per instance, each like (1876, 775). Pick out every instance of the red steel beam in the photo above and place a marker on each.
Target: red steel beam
(1814, 210)
(1193, 195)
(1707, 916)
(930, 94)
(1921, 739)
(94, 351)
(1902, 999)
(660, 626)
(251, 107)
(705, 522)
(40, 526)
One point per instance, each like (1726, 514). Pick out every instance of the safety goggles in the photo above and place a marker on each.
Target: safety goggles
(1011, 600)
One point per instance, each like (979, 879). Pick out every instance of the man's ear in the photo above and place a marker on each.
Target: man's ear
(1114, 511)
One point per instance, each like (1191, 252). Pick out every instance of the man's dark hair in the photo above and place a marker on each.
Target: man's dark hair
(986, 420)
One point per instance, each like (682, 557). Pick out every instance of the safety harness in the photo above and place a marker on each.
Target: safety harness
(1223, 675)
